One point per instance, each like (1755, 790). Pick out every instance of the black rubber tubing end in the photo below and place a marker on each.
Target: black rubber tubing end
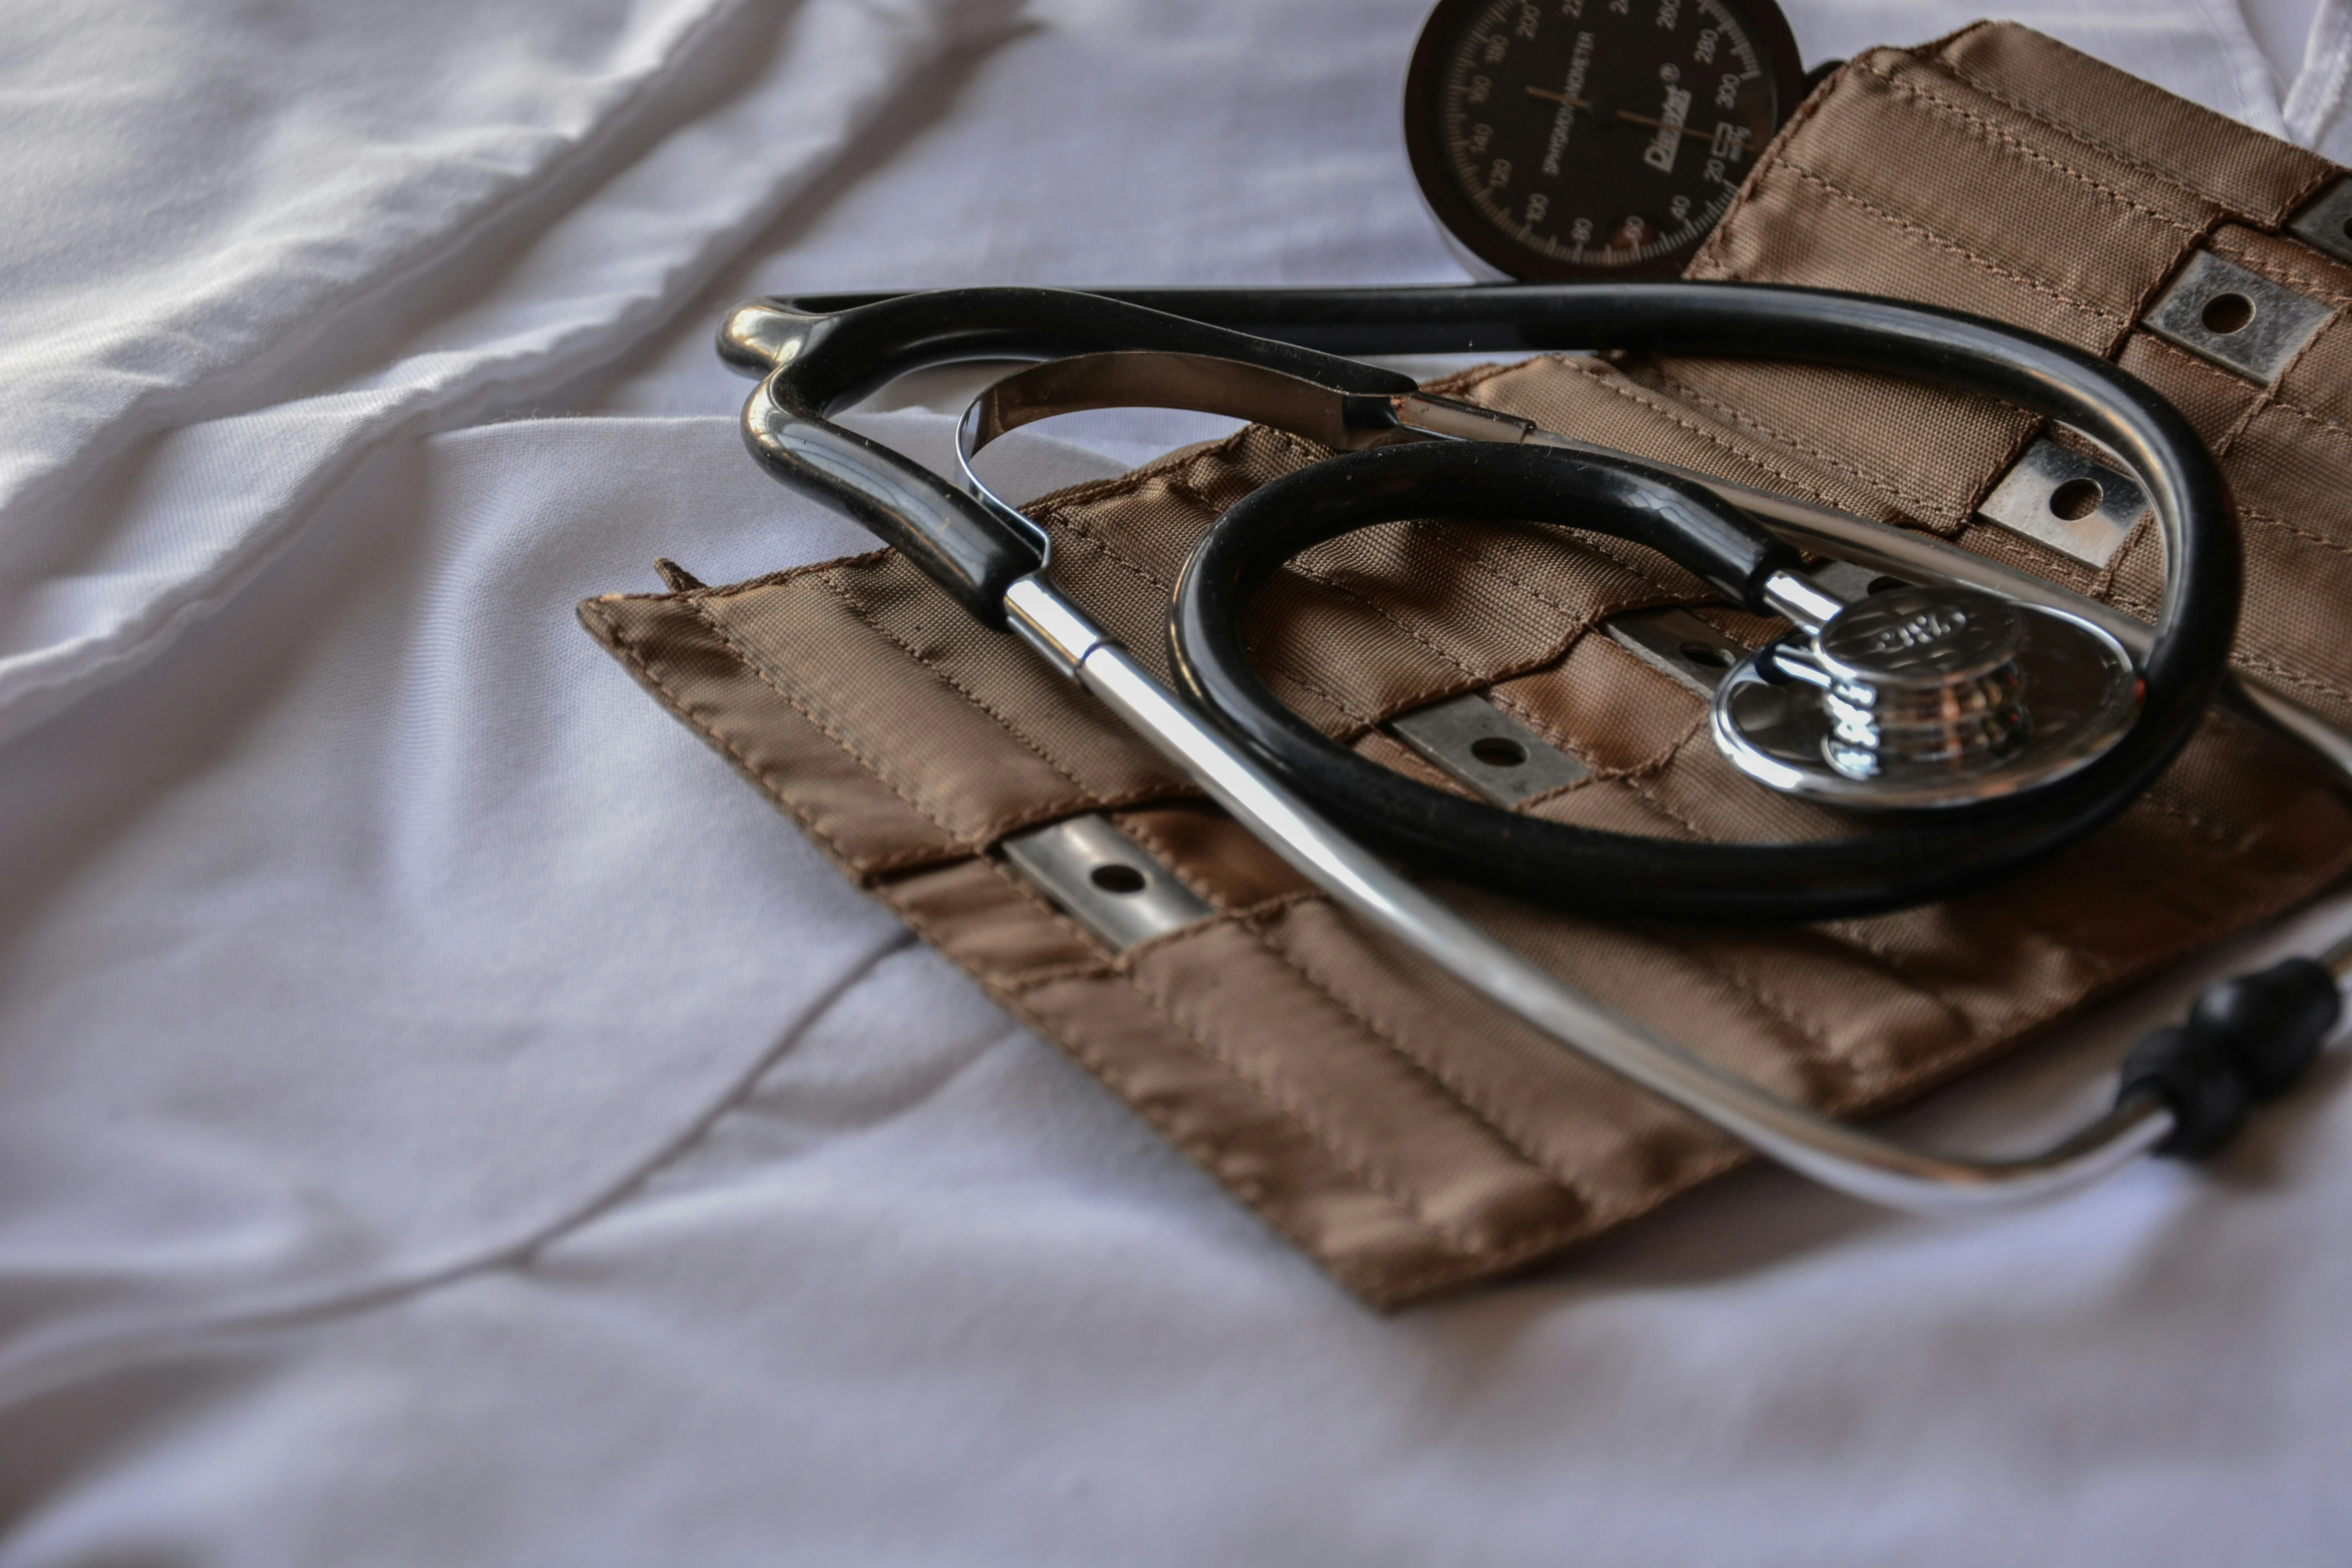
(2274, 1022)
(2198, 1083)
(2247, 1038)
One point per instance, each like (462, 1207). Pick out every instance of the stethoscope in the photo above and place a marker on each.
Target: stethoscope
(1991, 718)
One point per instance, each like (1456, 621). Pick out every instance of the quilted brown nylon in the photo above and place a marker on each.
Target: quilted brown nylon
(1413, 1141)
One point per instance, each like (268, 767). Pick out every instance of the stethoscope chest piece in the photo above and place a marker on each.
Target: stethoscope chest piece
(1926, 696)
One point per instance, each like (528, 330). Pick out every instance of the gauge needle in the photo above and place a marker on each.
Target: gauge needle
(1620, 113)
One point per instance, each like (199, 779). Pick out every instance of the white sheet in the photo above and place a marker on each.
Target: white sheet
(411, 1149)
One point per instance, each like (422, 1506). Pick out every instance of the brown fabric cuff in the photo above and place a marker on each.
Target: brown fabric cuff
(1412, 1141)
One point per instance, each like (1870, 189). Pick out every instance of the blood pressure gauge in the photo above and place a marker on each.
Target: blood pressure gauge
(1567, 140)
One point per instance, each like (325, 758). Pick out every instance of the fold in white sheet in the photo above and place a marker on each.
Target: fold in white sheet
(248, 245)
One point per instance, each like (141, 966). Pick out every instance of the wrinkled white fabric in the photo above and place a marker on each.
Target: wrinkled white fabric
(255, 246)
(447, 1116)
(2315, 103)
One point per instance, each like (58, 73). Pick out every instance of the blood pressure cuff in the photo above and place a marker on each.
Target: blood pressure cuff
(1409, 1138)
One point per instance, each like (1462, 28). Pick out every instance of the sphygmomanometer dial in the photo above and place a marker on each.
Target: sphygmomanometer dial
(1566, 140)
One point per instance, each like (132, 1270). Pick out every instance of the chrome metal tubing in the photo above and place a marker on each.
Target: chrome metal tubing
(1800, 602)
(1845, 1157)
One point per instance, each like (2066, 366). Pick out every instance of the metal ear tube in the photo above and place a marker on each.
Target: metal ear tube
(1934, 687)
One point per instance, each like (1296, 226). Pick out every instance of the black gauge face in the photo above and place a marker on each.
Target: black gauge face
(1564, 139)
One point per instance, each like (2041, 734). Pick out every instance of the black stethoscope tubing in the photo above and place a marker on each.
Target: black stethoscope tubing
(847, 345)
(1587, 870)
(2184, 1089)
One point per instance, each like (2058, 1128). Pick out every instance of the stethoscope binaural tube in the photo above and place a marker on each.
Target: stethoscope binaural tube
(817, 360)
(1890, 867)
(2182, 1090)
